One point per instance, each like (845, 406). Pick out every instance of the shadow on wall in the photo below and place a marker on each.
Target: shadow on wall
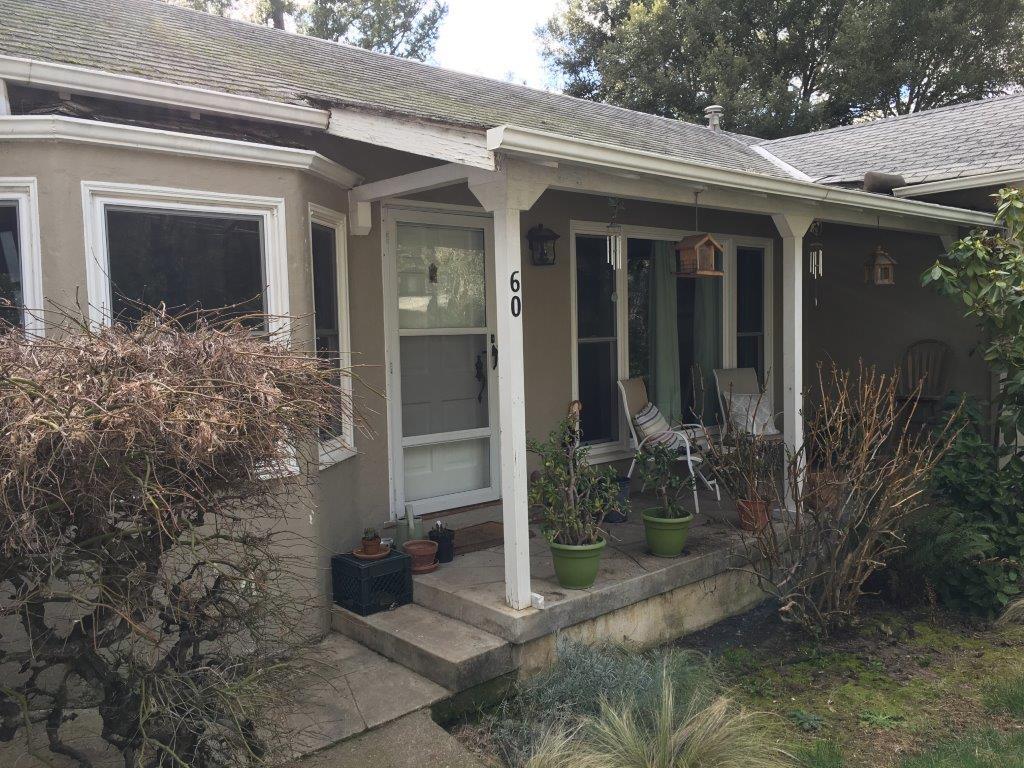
(877, 323)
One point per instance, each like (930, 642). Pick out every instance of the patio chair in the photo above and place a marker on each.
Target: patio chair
(652, 425)
(742, 382)
(925, 363)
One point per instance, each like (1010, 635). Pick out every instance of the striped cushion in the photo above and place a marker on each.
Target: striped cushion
(650, 423)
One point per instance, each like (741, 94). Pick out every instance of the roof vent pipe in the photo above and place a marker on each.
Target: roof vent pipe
(714, 116)
(882, 183)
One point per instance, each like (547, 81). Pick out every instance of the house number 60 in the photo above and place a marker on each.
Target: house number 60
(517, 301)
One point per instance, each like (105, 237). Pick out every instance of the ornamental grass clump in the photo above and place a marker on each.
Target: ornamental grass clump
(152, 508)
(692, 733)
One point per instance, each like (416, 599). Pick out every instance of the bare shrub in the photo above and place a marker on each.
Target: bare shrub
(861, 473)
(146, 558)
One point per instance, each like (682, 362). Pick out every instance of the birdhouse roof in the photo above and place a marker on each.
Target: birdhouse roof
(694, 241)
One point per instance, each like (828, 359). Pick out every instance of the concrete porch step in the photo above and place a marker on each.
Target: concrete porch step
(449, 652)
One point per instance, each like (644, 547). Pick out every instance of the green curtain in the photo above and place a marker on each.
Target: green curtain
(664, 366)
(707, 343)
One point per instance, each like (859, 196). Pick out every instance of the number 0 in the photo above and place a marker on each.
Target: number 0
(517, 306)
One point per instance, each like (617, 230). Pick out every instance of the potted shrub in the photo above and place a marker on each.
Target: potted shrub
(370, 542)
(745, 467)
(574, 497)
(668, 524)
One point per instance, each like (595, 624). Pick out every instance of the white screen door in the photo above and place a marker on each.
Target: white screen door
(442, 379)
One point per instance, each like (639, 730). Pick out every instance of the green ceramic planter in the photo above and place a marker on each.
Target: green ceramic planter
(576, 566)
(666, 536)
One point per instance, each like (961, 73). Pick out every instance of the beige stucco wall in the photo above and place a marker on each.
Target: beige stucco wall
(877, 323)
(60, 168)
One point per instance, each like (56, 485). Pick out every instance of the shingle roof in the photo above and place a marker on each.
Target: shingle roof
(148, 38)
(942, 143)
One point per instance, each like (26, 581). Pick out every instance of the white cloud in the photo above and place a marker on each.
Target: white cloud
(495, 38)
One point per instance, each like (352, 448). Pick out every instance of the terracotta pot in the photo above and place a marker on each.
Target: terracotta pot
(371, 546)
(423, 553)
(753, 514)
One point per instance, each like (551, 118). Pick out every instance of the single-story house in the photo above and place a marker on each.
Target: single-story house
(153, 153)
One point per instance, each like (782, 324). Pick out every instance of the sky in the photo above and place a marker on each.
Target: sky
(496, 38)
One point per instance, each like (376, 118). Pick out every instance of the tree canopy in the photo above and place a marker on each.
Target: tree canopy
(407, 28)
(786, 66)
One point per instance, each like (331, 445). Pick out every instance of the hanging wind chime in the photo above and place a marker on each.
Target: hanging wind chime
(698, 255)
(613, 233)
(816, 261)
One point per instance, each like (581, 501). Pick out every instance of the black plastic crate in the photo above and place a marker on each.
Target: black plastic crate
(371, 586)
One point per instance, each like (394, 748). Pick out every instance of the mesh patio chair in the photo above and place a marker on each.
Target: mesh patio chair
(740, 381)
(690, 436)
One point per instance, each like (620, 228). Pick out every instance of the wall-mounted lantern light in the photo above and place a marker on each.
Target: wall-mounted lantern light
(880, 268)
(542, 245)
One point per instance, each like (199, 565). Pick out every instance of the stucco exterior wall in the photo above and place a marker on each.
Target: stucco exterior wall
(877, 323)
(61, 167)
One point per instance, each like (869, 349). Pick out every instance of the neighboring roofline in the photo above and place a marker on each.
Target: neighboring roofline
(971, 181)
(54, 127)
(524, 141)
(97, 82)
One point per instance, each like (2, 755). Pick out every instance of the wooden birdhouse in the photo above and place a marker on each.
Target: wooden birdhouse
(699, 256)
(880, 268)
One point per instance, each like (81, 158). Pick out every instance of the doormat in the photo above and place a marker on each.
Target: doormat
(473, 538)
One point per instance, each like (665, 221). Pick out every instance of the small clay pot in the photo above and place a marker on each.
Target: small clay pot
(371, 546)
(423, 553)
(753, 514)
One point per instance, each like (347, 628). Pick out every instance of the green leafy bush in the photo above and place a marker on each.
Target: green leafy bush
(656, 465)
(574, 494)
(969, 544)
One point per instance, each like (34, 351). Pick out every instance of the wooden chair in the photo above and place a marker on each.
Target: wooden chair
(927, 363)
(634, 400)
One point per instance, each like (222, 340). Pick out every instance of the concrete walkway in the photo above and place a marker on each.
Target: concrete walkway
(348, 689)
(414, 741)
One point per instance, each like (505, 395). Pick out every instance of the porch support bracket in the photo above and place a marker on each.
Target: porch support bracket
(505, 196)
(792, 226)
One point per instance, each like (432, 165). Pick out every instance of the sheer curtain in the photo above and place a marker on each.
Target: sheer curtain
(707, 345)
(664, 366)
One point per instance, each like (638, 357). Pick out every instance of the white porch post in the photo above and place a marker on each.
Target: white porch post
(505, 197)
(792, 227)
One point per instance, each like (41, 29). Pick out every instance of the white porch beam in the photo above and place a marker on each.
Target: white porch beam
(679, 192)
(505, 196)
(450, 143)
(359, 198)
(5, 101)
(525, 142)
(792, 227)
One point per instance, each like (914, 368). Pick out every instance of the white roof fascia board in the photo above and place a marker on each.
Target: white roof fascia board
(53, 127)
(130, 88)
(453, 144)
(516, 140)
(972, 181)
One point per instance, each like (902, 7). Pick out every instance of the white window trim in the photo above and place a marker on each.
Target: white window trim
(24, 192)
(623, 448)
(343, 446)
(97, 195)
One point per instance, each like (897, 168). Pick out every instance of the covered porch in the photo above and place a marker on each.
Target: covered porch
(536, 355)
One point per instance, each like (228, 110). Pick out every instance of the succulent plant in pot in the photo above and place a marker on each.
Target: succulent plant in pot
(667, 525)
(574, 496)
(370, 542)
